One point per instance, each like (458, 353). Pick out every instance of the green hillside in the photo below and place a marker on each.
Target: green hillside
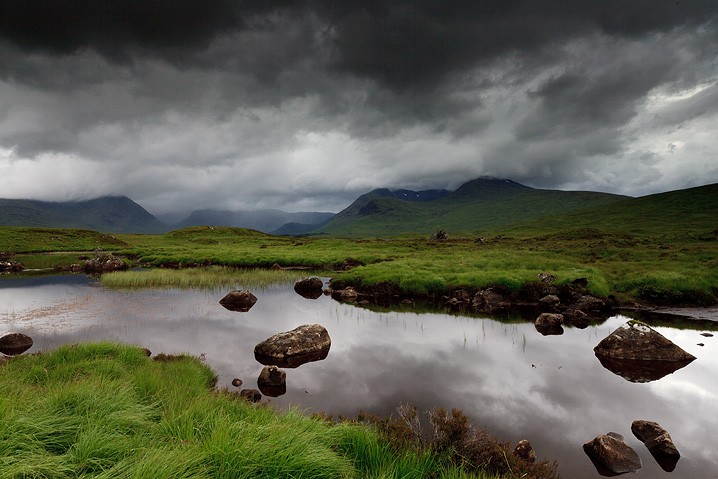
(111, 214)
(479, 205)
(689, 211)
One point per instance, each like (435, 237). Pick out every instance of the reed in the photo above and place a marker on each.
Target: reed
(203, 278)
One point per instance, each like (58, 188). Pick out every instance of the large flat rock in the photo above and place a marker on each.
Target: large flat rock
(290, 349)
(638, 341)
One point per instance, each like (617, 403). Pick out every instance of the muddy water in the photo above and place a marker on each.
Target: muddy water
(506, 376)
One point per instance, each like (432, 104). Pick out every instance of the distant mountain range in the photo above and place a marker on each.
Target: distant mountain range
(109, 214)
(480, 205)
(266, 221)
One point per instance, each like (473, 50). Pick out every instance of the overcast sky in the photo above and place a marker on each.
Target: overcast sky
(304, 105)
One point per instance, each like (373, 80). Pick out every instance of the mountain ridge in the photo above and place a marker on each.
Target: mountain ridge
(110, 214)
(477, 205)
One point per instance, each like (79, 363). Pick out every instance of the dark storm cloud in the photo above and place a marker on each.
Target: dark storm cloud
(295, 97)
(116, 27)
(404, 43)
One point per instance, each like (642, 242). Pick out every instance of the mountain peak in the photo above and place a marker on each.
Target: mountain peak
(489, 186)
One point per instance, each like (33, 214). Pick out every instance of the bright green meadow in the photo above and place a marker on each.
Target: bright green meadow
(108, 411)
(666, 266)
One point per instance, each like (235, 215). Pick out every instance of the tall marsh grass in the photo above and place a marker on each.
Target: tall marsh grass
(203, 278)
(107, 411)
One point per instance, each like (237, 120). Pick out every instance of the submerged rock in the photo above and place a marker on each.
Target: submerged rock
(658, 442)
(251, 395)
(310, 288)
(15, 343)
(272, 381)
(638, 341)
(238, 301)
(611, 455)
(290, 349)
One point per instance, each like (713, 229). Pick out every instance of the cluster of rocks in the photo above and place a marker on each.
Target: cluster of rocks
(289, 349)
(612, 456)
(7, 266)
(557, 305)
(101, 263)
(639, 354)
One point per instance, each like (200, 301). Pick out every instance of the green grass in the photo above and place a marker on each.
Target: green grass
(107, 411)
(203, 278)
(673, 267)
(478, 206)
(38, 240)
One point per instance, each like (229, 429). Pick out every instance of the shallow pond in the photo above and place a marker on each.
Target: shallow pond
(507, 377)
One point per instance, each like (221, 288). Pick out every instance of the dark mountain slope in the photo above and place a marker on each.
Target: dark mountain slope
(478, 205)
(111, 214)
(693, 210)
(260, 220)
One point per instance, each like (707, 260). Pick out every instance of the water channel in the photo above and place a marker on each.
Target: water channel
(507, 377)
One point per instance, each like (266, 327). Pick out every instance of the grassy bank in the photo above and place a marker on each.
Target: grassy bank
(671, 267)
(105, 411)
(666, 268)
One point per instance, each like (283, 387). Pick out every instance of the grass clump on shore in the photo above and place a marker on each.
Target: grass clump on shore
(107, 411)
(203, 278)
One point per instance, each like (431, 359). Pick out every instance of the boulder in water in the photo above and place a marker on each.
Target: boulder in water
(611, 455)
(15, 343)
(238, 301)
(290, 349)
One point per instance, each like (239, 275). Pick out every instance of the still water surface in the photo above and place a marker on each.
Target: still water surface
(507, 377)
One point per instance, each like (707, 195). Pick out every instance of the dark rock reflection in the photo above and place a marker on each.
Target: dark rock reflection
(641, 371)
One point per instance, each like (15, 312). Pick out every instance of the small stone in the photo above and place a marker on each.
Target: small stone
(550, 301)
(525, 451)
(272, 376)
(549, 320)
(610, 452)
(236, 382)
(15, 343)
(707, 335)
(658, 442)
(251, 395)
(239, 301)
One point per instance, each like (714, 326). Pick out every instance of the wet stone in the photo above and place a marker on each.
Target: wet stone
(611, 455)
(290, 349)
(15, 343)
(241, 301)
(658, 442)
